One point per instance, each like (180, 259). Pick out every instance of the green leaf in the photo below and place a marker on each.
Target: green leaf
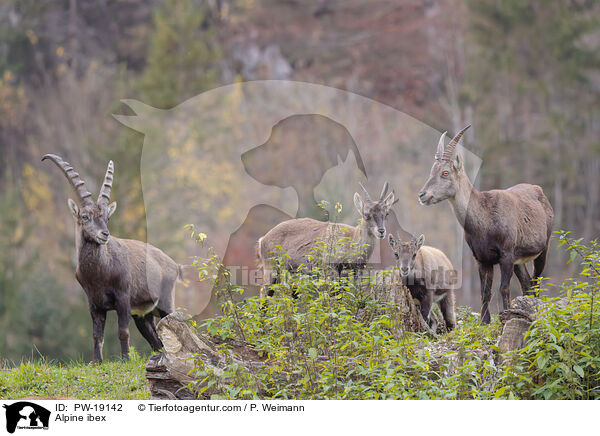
(542, 361)
(579, 370)
(499, 392)
(572, 256)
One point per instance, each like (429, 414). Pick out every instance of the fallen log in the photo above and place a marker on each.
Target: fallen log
(170, 373)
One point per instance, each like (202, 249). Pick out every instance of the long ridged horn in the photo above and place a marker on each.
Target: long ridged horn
(440, 148)
(386, 185)
(84, 196)
(104, 196)
(367, 196)
(451, 147)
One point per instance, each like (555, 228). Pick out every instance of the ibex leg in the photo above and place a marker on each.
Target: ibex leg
(426, 303)
(506, 272)
(145, 325)
(524, 279)
(98, 321)
(123, 314)
(447, 309)
(486, 275)
(539, 263)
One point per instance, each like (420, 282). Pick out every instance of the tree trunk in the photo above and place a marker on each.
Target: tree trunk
(170, 372)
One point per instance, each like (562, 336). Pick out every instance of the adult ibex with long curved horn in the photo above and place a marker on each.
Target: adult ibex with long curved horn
(131, 277)
(351, 245)
(509, 227)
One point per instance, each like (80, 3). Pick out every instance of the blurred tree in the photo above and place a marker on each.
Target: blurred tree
(183, 54)
(532, 77)
(35, 311)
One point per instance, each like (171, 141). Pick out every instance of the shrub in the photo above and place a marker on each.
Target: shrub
(561, 359)
(324, 338)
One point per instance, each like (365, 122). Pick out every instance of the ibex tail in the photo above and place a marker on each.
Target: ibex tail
(180, 278)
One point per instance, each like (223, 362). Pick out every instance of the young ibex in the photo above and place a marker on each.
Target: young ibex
(504, 226)
(131, 277)
(351, 246)
(429, 276)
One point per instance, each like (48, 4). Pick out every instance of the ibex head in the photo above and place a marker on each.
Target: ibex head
(406, 252)
(92, 217)
(374, 213)
(444, 172)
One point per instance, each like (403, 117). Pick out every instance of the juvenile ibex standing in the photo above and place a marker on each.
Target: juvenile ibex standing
(509, 227)
(428, 275)
(131, 277)
(351, 245)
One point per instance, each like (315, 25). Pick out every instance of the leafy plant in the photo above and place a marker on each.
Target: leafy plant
(561, 358)
(324, 337)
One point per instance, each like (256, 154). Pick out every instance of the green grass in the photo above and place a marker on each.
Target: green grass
(113, 380)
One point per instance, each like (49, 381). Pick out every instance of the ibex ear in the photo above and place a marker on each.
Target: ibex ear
(392, 241)
(458, 163)
(111, 208)
(73, 208)
(358, 203)
(420, 241)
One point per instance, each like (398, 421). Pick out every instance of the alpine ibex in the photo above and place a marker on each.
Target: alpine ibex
(351, 246)
(509, 227)
(429, 276)
(131, 277)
